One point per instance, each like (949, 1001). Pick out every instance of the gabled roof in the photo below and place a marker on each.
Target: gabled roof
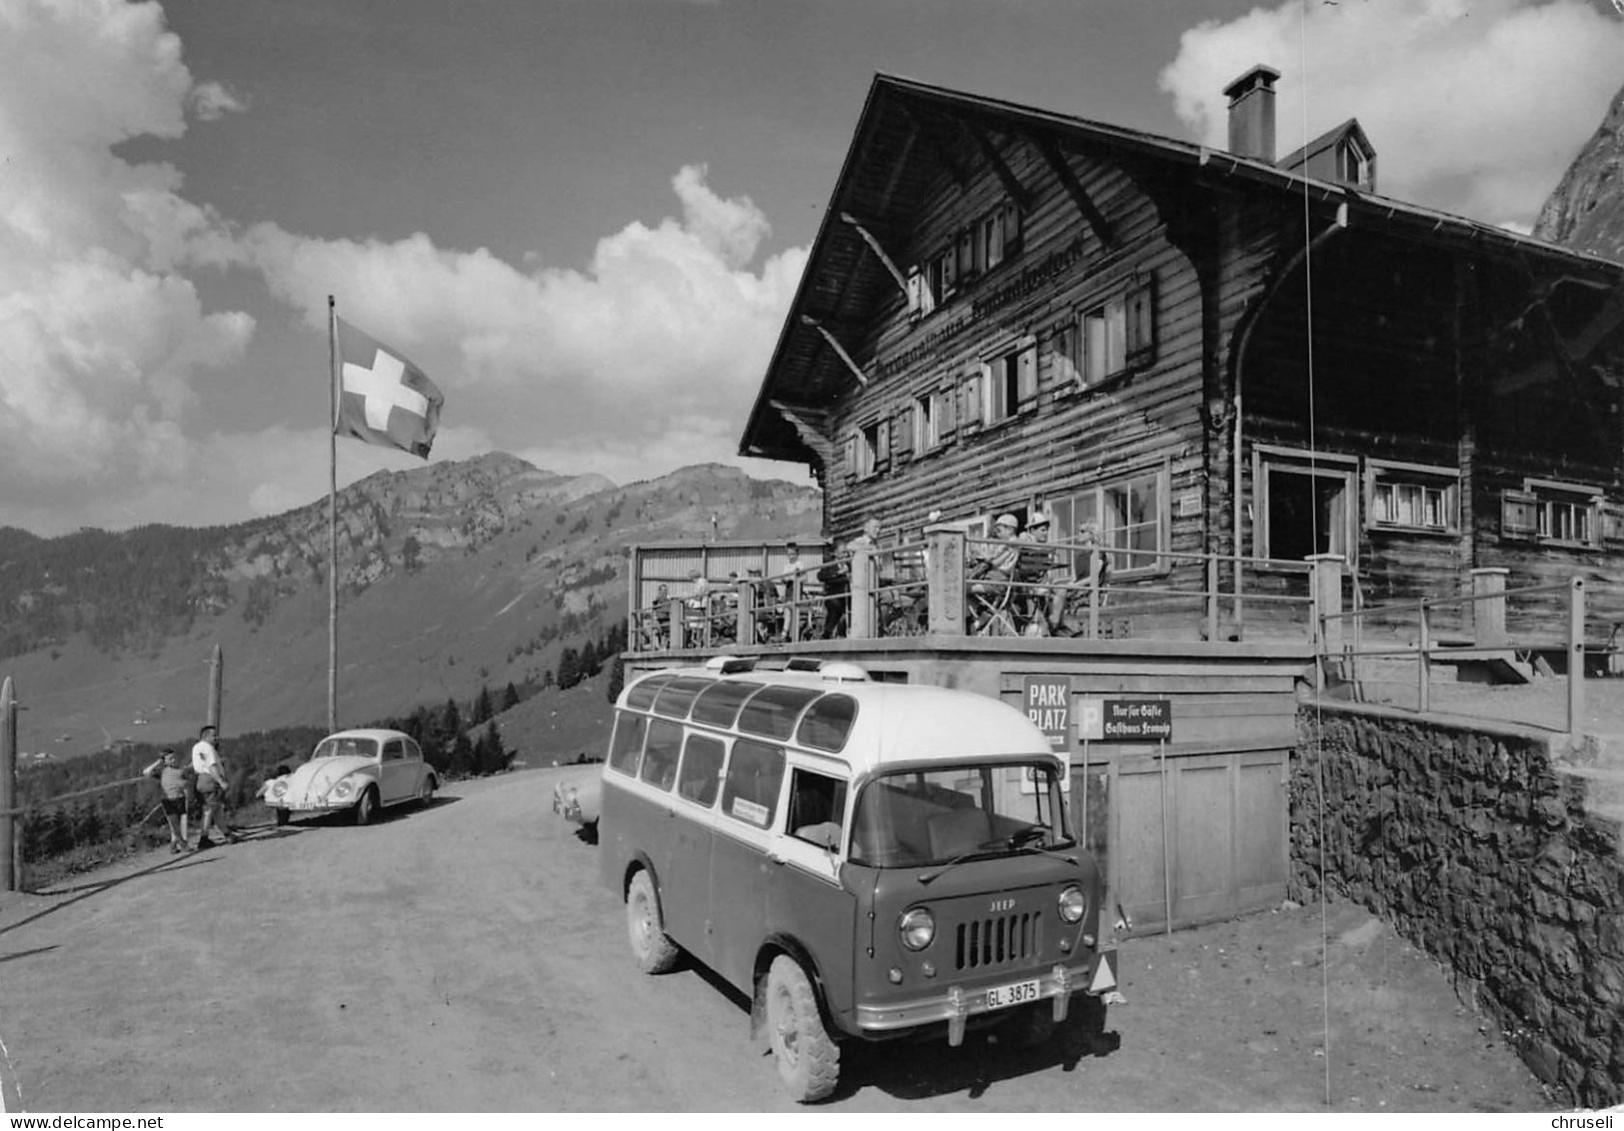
(1300, 158)
(899, 149)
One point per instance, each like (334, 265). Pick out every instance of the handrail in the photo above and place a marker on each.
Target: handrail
(1425, 647)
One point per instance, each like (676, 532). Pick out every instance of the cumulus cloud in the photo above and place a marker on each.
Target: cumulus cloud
(1474, 106)
(665, 323)
(100, 337)
(642, 357)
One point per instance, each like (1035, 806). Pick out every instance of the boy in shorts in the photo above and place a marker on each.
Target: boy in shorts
(167, 772)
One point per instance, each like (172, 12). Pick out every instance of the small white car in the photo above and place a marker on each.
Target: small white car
(577, 792)
(358, 770)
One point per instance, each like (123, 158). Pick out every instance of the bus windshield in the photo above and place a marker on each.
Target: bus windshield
(932, 816)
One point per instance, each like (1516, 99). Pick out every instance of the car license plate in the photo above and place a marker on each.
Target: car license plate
(1002, 997)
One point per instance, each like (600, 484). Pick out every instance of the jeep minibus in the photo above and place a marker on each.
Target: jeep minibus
(864, 860)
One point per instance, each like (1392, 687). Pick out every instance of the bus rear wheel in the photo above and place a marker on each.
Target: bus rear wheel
(808, 1058)
(651, 947)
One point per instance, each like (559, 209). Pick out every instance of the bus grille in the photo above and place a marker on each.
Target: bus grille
(1002, 941)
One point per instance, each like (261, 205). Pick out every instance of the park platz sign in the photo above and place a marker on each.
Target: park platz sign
(1125, 720)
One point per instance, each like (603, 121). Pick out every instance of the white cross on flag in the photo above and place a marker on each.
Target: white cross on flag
(383, 398)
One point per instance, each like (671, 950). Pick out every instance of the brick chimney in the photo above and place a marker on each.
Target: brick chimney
(1251, 113)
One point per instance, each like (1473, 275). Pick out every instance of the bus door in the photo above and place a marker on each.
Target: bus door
(686, 869)
(740, 871)
(805, 899)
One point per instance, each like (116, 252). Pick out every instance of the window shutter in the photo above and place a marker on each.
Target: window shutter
(970, 416)
(904, 441)
(851, 456)
(967, 253)
(916, 292)
(950, 274)
(1519, 514)
(1026, 376)
(1140, 303)
(882, 443)
(946, 415)
(1012, 229)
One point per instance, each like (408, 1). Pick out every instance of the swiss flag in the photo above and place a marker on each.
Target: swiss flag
(383, 398)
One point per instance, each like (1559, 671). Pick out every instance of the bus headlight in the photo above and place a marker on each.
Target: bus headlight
(917, 927)
(1073, 904)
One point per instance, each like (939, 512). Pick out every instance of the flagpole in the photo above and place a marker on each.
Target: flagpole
(332, 516)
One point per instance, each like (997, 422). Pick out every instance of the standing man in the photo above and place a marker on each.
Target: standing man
(211, 787)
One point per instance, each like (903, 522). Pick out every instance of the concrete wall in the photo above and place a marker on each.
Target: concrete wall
(1478, 847)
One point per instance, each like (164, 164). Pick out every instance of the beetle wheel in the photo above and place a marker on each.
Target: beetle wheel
(281, 817)
(808, 1058)
(366, 808)
(652, 948)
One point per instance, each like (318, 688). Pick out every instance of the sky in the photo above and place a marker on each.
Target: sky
(585, 219)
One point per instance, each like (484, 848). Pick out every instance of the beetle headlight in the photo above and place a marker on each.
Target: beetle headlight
(279, 789)
(1073, 904)
(917, 928)
(343, 789)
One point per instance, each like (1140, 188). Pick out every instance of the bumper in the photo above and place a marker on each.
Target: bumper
(957, 1005)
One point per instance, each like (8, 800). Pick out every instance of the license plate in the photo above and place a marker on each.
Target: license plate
(1002, 997)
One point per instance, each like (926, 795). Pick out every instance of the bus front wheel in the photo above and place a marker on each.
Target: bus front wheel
(651, 947)
(808, 1058)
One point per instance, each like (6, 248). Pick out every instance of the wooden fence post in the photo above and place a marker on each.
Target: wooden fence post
(1327, 593)
(944, 581)
(1576, 656)
(1489, 610)
(216, 666)
(8, 785)
(745, 631)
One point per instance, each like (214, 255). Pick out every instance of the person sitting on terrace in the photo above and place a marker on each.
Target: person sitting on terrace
(835, 577)
(992, 562)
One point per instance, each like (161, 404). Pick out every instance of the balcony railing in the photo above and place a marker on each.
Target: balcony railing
(948, 583)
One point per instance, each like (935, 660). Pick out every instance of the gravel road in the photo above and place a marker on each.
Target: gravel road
(464, 958)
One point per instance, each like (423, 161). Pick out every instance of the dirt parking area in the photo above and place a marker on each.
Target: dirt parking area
(464, 958)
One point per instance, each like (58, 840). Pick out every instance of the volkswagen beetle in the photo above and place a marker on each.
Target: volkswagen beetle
(357, 770)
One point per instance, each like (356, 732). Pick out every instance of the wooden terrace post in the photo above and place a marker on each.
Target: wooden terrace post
(8, 786)
(944, 581)
(860, 622)
(216, 665)
(1576, 656)
(676, 617)
(1326, 589)
(1489, 608)
(1212, 600)
(1423, 660)
(634, 585)
(745, 632)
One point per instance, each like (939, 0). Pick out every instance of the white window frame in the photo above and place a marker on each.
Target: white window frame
(1561, 514)
(1103, 339)
(933, 420)
(1099, 504)
(873, 448)
(1009, 383)
(1268, 461)
(1394, 490)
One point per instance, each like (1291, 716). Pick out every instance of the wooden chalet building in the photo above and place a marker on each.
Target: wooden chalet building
(1205, 352)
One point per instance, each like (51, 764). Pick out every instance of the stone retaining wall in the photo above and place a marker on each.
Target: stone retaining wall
(1475, 846)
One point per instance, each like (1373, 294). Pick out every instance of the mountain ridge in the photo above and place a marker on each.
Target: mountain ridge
(452, 577)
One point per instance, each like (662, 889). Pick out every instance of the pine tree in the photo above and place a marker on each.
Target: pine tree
(483, 708)
(462, 756)
(510, 697)
(568, 674)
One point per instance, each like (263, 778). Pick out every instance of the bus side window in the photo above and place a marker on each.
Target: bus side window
(626, 748)
(754, 774)
(817, 808)
(701, 772)
(660, 753)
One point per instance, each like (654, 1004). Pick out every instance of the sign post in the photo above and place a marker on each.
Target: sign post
(1132, 720)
